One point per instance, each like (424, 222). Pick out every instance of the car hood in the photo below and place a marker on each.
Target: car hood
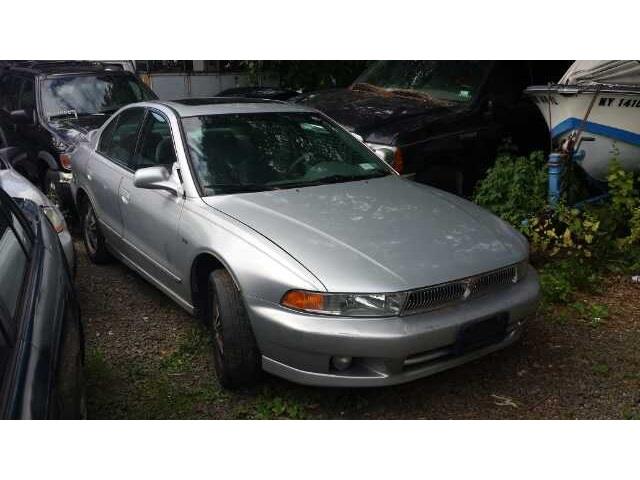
(380, 235)
(72, 130)
(19, 187)
(371, 114)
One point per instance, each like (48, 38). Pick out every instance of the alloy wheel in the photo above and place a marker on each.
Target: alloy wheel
(216, 323)
(91, 230)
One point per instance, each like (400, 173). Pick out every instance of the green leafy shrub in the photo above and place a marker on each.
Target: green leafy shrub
(624, 211)
(564, 230)
(561, 279)
(515, 188)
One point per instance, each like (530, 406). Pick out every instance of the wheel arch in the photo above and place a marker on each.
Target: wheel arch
(203, 264)
(80, 196)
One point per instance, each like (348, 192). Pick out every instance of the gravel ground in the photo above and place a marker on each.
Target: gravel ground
(146, 358)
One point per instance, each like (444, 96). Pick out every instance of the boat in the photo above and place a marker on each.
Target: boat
(593, 114)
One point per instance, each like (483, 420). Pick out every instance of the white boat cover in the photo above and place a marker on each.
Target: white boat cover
(592, 72)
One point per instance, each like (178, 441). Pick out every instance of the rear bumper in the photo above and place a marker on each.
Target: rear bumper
(385, 351)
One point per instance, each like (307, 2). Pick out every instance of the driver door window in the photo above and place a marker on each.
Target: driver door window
(119, 142)
(156, 145)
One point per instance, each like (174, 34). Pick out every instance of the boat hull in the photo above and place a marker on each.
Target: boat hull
(613, 123)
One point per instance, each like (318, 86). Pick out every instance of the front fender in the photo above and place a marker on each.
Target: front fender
(259, 268)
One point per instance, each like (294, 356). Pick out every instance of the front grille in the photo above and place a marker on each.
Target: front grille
(438, 296)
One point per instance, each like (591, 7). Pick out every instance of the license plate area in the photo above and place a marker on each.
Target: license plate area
(481, 334)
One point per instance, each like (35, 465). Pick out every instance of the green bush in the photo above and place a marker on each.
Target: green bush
(566, 231)
(624, 212)
(515, 188)
(561, 279)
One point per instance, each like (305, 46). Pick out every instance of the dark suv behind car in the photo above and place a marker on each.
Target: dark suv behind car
(442, 121)
(44, 106)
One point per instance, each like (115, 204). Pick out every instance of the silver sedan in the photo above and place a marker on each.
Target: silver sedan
(305, 254)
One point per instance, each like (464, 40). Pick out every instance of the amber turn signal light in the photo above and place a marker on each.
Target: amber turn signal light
(302, 300)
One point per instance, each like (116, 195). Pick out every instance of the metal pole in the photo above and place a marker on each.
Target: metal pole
(555, 166)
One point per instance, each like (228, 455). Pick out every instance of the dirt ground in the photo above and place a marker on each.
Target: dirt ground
(146, 358)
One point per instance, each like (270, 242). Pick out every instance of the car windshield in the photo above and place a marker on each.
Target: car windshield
(445, 80)
(233, 153)
(90, 94)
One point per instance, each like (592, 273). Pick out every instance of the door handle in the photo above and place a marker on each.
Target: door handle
(124, 196)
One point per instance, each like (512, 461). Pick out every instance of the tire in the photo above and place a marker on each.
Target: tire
(237, 359)
(94, 243)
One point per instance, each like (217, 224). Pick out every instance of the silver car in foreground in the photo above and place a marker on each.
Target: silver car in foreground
(305, 253)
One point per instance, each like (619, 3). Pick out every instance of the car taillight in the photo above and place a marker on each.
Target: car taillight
(65, 161)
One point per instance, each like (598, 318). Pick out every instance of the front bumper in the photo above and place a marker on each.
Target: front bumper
(386, 351)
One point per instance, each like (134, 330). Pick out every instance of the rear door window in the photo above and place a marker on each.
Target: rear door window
(118, 140)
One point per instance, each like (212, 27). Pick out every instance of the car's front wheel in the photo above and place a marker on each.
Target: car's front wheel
(92, 238)
(236, 355)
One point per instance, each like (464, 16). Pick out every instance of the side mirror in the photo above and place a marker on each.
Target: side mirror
(22, 117)
(155, 178)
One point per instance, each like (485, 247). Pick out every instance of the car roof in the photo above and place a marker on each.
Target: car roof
(195, 107)
(58, 67)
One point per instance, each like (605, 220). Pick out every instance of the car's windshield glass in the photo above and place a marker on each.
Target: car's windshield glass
(90, 94)
(233, 153)
(445, 80)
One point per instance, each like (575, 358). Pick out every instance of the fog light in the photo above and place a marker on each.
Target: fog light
(341, 363)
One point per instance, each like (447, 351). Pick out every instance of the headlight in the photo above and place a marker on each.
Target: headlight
(55, 218)
(345, 304)
(391, 155)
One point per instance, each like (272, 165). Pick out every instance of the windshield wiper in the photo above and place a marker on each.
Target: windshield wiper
(333, 179)
(368, 87)
(404, 92)
(239, 187)
(63, 115)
